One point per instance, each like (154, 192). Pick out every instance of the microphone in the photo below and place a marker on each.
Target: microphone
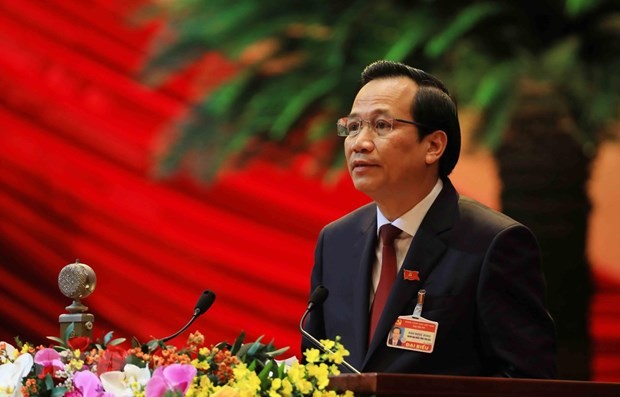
(317, 297)
(204, 303)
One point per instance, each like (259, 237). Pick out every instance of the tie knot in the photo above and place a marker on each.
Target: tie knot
(388, 233)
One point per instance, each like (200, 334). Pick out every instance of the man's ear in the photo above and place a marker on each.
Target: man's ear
(437, 142)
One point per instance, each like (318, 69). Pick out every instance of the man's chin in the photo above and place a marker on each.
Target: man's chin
(365, 186)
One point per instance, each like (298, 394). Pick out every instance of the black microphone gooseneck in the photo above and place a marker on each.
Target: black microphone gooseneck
(317, 297)
(204, 303)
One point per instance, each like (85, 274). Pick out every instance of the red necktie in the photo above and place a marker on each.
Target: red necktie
(387, 233)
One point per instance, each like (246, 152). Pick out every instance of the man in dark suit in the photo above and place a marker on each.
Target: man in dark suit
(395, 337)
(480, 270)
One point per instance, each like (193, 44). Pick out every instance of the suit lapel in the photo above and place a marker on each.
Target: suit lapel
(365, 247)
(425, 251)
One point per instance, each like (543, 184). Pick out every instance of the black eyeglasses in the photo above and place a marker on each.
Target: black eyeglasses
(352, 126)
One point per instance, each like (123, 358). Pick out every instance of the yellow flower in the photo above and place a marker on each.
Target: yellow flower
(337, 356)
(296, 373)
(200, 364)
(297, 377)
(329, 344)
(280, 388)
(201, 387)
(273, 393)
(226, 391)
(287, 388)
(304, 386)
(276, 384)
(76, 365)
(312, 355)
(321, 373)
(246, 381)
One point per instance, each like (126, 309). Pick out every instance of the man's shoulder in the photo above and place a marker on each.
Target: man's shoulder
(473, 211)
(464, 215)
(478, 222)
(474, 227)
(359, 217)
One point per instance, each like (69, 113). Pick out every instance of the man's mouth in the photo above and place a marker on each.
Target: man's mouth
(361, 164)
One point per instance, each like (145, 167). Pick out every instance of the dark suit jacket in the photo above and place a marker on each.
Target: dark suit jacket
(484, 286)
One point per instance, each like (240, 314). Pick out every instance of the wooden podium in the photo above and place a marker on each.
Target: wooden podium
(380, 384)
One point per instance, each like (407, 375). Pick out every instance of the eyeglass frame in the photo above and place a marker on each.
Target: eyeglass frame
(340, 127)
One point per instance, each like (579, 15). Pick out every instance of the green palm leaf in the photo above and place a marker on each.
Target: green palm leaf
(468, 18)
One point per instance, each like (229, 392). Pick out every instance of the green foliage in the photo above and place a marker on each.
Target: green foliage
(63, 343)
(411, 39)
(466, 19)
(578, 7)
(257, 354)
(307, 72)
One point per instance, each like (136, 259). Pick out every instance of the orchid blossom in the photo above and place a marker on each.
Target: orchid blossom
(175, 378)
(49, 358)
(11, 374)
(125, 383)
(89, 385)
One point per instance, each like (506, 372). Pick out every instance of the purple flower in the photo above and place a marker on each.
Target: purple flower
(175, 378)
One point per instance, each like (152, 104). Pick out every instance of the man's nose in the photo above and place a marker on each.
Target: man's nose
(366, 131)
(364, 140)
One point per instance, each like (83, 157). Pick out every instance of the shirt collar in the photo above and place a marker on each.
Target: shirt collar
(410, 221)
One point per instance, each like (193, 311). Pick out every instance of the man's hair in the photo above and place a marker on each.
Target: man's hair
(432, 106)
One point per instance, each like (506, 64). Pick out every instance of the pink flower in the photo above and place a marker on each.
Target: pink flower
(89, 385)
(49, 359)
(175, 378)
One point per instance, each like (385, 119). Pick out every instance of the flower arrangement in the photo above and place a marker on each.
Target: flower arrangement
(77, 367)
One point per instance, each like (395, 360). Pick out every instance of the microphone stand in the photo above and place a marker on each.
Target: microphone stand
(204, 303)
(318, 344)
(167, 338)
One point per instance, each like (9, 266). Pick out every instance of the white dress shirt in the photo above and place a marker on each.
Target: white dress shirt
(409, 223)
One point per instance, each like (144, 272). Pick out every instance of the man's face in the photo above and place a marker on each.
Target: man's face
(393, 165)
(396, 333)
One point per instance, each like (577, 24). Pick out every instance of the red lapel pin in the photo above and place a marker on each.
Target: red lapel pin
(411, 275)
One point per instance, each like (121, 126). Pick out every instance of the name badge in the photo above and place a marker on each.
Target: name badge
(414, 334)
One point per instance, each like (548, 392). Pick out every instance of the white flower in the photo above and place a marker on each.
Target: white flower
(11, 375)
(287, 362)
(123, 384)
(9, 354)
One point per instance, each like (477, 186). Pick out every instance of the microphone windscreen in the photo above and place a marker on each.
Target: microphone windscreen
(204, 302)
(318, 296)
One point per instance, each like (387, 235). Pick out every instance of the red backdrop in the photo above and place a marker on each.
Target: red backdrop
(79, 138)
